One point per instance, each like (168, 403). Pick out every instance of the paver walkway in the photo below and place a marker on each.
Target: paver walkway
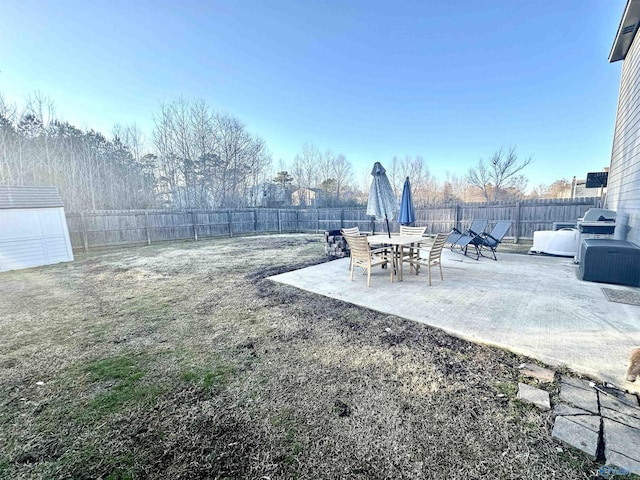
(612, 429)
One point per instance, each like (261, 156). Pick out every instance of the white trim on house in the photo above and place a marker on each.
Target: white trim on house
(623, 189)
(627, 30)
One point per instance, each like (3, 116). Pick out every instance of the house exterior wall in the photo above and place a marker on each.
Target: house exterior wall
(308, 197)
(268, 195)
(580, 190)
(623, 192)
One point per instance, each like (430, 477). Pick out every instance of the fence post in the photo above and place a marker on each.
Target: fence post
(255, 221)
(279, 222)
(297, 221)
(146, 227)
(317, 220)
(85, 240)
(195, 227)
(516, 232)
(457, 217)
(230, 223)
(341, 218)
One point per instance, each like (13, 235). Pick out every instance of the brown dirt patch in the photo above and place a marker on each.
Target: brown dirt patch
(186, 361)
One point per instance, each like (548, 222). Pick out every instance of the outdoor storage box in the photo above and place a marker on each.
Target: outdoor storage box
(610, 261)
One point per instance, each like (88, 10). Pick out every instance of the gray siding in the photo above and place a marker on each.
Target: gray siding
(17, 196)
(623, 192)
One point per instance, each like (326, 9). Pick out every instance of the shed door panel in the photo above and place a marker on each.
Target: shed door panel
(55, 234)
(33, 237)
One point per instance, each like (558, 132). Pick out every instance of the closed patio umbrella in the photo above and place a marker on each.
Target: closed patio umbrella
(382, 202)
(407, 212)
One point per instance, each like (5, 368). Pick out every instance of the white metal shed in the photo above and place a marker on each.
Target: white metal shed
(33, 228)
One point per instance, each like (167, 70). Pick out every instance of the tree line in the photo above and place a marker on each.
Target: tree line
(90, 170)
(197, 157)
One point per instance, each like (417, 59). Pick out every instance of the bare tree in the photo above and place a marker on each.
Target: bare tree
(325, 167)
(305, 169)
(499, 176)
(558, 189)
(206, 159)
(198, 158)
(457, 189)
(424, 186)
(9, 150)
(341, 174)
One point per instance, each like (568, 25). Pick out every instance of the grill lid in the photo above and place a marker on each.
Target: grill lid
(598, 215)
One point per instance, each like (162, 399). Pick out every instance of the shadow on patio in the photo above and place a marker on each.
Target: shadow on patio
(531, 305)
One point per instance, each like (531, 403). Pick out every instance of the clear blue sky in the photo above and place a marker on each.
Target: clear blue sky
(450, 80)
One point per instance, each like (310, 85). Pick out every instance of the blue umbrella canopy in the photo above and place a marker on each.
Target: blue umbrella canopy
(407, 212)
(382, 202)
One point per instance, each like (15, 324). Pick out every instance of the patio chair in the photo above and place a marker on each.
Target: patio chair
(433, 256)
(350, 231)
(476, 228)
(363, 256)
(353, 231)
(492, 240)
(418, 231)
(413, 231)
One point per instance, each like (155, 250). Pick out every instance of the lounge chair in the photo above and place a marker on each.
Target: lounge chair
(484, 240)
(362, 256)
(492, 240)
(433, 256)
(476, 228)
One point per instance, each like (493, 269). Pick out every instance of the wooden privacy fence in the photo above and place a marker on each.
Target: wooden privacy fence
(97, 229)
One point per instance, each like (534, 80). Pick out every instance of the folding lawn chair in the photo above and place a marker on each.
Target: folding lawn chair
(460, 239)
(493, 239)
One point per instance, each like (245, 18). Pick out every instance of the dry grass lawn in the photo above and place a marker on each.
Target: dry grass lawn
(183, 361)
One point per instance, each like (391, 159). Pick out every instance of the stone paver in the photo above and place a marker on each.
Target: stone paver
(592, 422)
(562, 409)
(620, 406)
(534, 395)
(576, 382)
(621, 418)
(617, 411)
(629, 464)
(622, 397)
(577, 436)
(579, 397)
(621, 439)
(542, 374)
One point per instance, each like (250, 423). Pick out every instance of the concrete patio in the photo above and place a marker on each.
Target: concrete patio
(532, 305)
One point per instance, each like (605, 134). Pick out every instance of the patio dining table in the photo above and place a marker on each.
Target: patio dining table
(397, 243)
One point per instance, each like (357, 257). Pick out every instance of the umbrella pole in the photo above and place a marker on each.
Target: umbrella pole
(393, 253)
